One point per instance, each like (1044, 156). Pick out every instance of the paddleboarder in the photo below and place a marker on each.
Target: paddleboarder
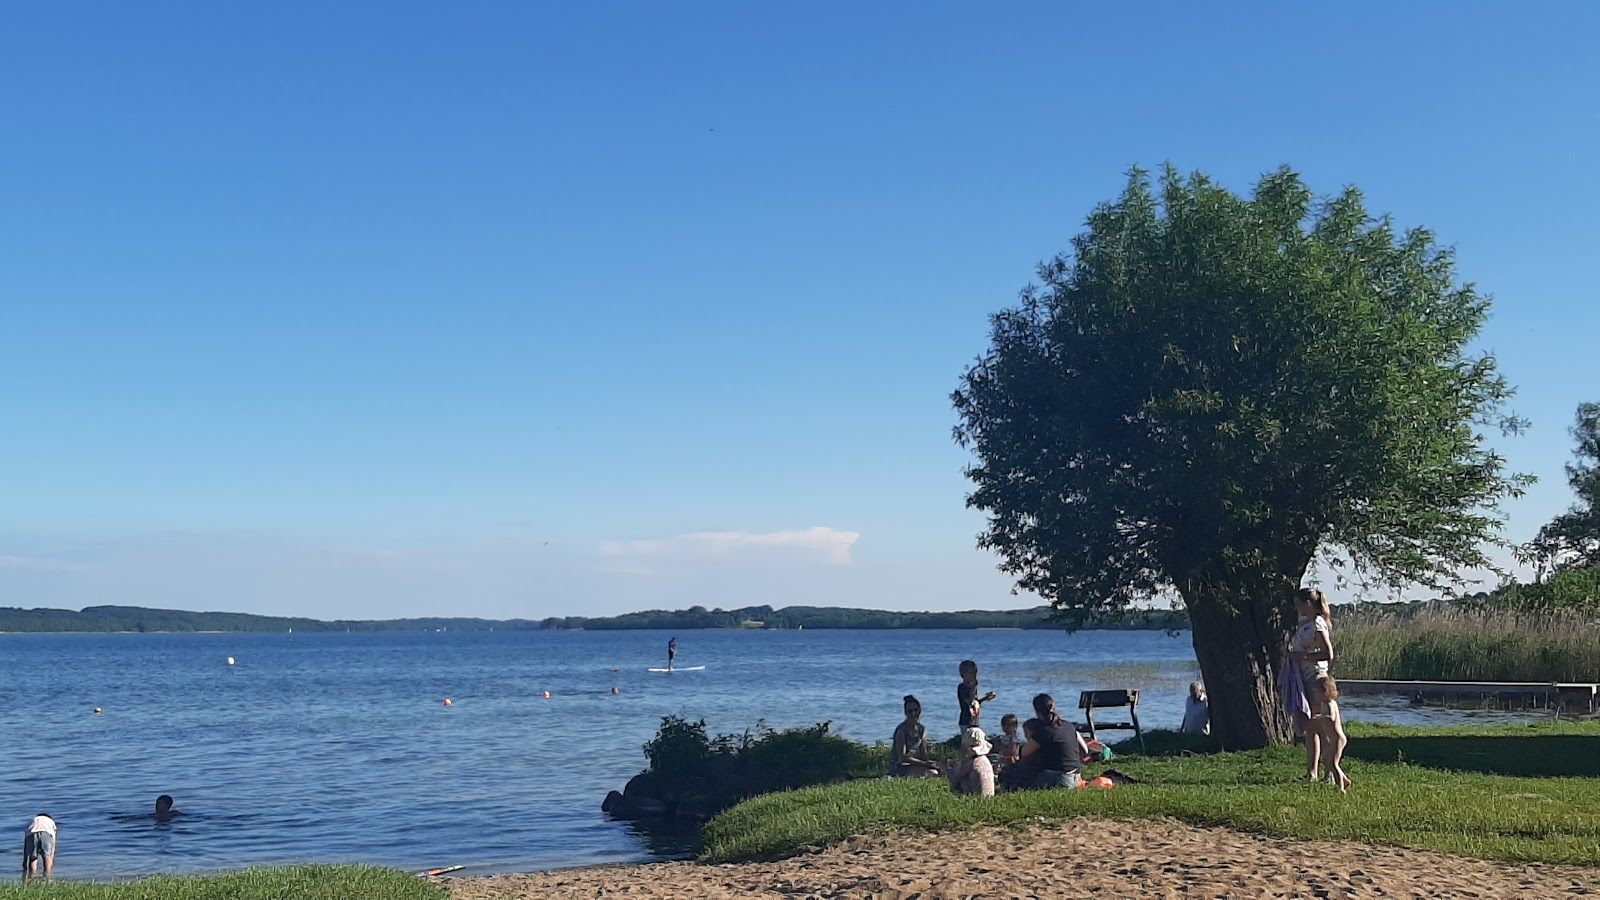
(672, 652)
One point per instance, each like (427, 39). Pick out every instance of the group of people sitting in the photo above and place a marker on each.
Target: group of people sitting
(1049, 752)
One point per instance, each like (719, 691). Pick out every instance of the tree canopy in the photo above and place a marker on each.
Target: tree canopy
(1210, 391)
(1572, 539)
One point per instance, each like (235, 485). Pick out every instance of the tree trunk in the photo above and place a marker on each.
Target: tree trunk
(1239, 639)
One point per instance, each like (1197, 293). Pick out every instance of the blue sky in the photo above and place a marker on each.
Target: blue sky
(514, 309)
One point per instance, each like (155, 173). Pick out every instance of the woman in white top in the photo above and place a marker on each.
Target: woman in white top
(1312, 649)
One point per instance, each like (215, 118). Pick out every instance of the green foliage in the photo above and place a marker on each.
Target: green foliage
(299, 882)
(820, 617)
(759, 760)
(1211, 391)
(680, 747)
(1448, 805)
(1573, 538)
(1573, 587)
(1448, 642)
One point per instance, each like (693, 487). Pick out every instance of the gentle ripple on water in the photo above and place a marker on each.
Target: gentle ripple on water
(337, 747)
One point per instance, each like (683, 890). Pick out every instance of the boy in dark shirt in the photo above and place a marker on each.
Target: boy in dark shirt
(967, 694)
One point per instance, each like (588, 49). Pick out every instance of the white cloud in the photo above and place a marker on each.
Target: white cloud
(832, 544)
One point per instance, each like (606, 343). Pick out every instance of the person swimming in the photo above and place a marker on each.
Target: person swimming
(164, 810)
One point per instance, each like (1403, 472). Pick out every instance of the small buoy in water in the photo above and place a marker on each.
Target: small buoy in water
(546, 695)
(97, 710)
(447, 701)
(230, 660)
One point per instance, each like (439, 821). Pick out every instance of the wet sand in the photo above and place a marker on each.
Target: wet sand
(1092, 858)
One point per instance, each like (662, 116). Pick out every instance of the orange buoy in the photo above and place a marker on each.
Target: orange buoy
(447, 701)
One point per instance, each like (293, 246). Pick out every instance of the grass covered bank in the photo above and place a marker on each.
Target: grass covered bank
(1456, 643)
(1434, 788)
(279, 883)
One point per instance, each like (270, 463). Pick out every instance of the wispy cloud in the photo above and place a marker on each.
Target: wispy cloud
(832, 544)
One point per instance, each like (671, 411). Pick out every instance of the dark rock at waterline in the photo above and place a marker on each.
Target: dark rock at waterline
(621, 806)
(700, 809)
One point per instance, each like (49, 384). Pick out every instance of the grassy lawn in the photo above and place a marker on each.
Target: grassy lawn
(297, 882)
(1525, 793)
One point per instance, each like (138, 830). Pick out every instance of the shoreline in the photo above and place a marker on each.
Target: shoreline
(1089, 857)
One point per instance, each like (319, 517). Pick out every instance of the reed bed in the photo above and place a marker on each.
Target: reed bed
(1439, 642)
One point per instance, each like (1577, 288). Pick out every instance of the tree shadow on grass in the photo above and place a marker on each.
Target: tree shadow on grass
(1531, 756)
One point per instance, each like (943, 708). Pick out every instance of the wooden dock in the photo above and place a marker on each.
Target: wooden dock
(1573, 698)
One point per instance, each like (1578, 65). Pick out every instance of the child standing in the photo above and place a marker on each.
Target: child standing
(39, 847)
(967, 694)
(1010, 742)
(1328, 725)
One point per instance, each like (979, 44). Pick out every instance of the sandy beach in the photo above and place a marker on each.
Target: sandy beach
(1092, 858)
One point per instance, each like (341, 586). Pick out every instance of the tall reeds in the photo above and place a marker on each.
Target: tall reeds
(1443, 642)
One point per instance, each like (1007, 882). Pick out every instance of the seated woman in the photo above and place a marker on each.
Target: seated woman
(908, 752)
(974, 774)
(1054, 754)
(1196, 711)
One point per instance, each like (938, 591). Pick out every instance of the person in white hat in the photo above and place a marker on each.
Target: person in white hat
(974, 774)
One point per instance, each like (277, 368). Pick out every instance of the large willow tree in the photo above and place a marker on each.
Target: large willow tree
(1212, 391)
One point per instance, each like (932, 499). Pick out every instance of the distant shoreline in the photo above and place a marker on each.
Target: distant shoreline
(144, 620)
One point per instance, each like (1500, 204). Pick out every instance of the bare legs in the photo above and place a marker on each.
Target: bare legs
(1313, 749)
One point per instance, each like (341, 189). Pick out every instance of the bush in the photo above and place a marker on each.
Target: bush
(761, 759)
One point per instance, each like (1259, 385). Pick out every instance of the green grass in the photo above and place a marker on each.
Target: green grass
(286, 883)
(1416, 787)
(1449, 643)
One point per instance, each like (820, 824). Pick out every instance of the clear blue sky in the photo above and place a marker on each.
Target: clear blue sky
(377, 309)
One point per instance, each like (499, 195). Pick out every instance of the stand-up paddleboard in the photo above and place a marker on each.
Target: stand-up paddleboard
(679, 669)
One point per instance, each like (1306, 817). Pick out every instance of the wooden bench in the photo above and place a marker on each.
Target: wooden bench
(1089, 701)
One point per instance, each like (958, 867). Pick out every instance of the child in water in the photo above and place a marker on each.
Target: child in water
(39, 847)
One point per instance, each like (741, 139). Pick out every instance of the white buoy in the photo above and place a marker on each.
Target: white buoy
(230, 660)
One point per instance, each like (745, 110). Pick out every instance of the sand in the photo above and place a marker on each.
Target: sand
(1092, 858)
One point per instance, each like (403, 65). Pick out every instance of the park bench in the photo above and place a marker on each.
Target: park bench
(1089, 701)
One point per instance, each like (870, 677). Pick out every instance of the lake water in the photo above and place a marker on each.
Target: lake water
(338, 747)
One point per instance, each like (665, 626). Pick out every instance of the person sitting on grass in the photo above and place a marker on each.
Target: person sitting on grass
(1328, 726)
(1011, 741)
(908, 754)
(1196, 712)
(1054, 754)
(973, 774)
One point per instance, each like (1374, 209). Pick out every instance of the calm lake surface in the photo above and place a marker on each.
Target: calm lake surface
(337, 747)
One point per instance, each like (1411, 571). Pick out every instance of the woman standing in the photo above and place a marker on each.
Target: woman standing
(1311, 649)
